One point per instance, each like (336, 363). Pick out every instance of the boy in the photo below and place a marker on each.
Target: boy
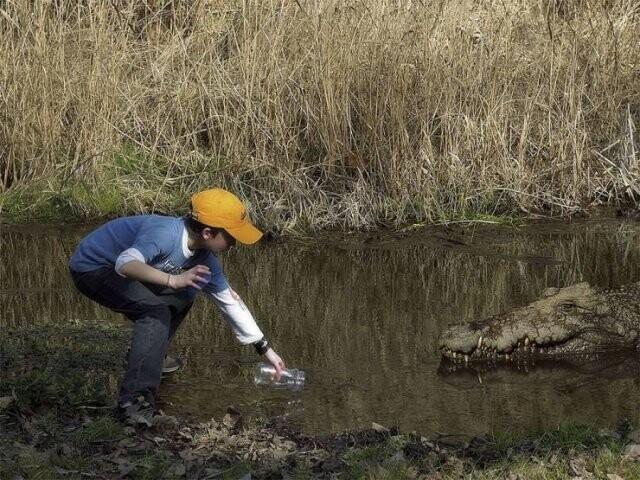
(149, 268)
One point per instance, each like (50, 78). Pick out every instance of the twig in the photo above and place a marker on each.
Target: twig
(300, 6)
(121, 16)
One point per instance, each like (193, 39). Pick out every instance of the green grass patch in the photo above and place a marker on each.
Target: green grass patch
(100, 429)
(385, 460)
(70, 463)
(596, 464)
(572, 436)
(569, 437)
(608, 461)
(129, 160)
(237, 471)
(55, 200)
(153, 466)
(62, 366)
(128, 181)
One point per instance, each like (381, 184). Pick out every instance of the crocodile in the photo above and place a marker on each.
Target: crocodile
(576, 322)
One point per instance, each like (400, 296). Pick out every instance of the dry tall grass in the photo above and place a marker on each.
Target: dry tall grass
(333, 113)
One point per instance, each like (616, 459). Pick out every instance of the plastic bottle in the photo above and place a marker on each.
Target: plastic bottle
(291, 378)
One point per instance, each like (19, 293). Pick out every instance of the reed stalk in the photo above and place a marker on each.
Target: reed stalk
(334, 114)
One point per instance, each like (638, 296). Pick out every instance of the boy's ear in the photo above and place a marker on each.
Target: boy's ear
(206, 233)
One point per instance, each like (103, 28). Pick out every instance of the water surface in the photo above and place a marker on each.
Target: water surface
(362, 317)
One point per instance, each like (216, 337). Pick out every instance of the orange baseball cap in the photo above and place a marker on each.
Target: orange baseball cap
(219, 208)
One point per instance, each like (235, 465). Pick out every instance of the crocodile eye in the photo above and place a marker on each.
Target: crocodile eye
(567, 307)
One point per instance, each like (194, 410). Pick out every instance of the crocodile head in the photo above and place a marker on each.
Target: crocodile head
(572, 321)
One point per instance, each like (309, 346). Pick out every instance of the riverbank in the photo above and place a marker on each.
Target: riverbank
(56, 201)
(35, 446)
(348, 115)
(59, 381)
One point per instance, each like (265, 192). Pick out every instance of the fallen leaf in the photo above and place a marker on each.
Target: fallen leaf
(66, 450)
(62, 471)
(411, 473)
(278, 453)
(399, 457)
(379, 428)
(126, 469)
(434, 476)
(211, 473)
(578, 467)
(632, 452)
(231, 421)
(187, 455)
(177, 470)
(126, 443)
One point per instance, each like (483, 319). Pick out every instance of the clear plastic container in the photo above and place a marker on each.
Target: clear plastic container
(291, 378)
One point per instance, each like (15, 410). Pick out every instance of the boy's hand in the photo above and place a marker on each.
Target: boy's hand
(276, 361)
(196, 277)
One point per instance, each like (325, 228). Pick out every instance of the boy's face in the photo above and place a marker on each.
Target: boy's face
(220, 242)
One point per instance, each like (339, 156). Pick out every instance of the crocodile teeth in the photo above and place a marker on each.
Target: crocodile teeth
(466, 359)
(526, 341)
(480, 342)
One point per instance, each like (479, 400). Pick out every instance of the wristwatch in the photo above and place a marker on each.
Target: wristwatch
(261, 346)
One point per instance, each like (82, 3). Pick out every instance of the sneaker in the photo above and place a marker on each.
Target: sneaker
(141, 413)
(136, 413)
(171, 364)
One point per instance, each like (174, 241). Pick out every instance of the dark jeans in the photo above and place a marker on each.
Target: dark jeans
(156, 312)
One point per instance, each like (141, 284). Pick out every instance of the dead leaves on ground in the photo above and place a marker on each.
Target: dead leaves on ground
(205, 451)
(227, 439)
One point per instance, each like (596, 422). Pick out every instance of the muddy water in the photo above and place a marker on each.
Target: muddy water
(362, 317)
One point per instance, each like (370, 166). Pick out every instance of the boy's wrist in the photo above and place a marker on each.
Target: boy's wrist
(261, 346)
